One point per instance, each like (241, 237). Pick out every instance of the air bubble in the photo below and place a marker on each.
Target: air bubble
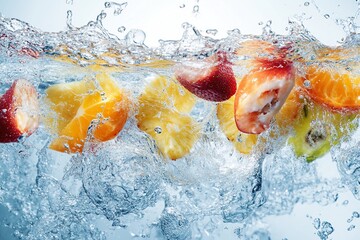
(307, 84)
(158, 130)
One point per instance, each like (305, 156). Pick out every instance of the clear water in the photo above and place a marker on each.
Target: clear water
(210, 192)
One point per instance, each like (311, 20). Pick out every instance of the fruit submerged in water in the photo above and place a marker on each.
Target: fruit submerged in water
(85, 110)
(317, 129)
(163, 114)
(211, 79)
(19, 111)
(261, 93)
(243, 142)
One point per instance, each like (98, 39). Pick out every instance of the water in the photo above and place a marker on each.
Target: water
(211, 193)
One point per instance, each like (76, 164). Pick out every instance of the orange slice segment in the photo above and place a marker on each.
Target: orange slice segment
(93, 113)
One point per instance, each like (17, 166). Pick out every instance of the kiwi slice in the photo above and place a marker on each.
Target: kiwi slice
(318, 129)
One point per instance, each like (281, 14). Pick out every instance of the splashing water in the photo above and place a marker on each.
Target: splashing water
(212, 190)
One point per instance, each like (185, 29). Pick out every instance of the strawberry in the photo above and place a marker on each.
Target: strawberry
(212, 79)
(19, 111)
(261, 93)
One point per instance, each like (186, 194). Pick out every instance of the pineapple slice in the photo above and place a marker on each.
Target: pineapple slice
(163, 108)
(243, 142)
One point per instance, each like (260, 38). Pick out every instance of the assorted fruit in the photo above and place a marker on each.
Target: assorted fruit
(314, 107)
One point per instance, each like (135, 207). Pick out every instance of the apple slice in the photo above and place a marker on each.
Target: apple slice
(261, 93)
(212, 79)
(19, 111)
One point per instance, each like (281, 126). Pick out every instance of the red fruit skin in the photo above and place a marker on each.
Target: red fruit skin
(10, 102)
(261, 94)
(213, 80)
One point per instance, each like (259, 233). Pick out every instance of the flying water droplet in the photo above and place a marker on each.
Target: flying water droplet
(306, 4)
(260, 23)
(182, 6)
(327, 16)
(356, 215)
(69, 19)
(135, 36)
(107, 4)
(196, 9)
(212, 31)
(121, 29)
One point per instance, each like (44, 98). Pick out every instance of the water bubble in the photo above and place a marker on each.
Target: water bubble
(121, 29)
(327, 16)
(306, 4)
(307, 84)
(158, 130)
(135, 36)
(212, 31)
(196, 9)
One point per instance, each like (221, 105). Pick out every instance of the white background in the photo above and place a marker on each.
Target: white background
(162, 19)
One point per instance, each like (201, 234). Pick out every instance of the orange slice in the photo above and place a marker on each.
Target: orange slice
(93, 111)
(163, 114)
(333, 82)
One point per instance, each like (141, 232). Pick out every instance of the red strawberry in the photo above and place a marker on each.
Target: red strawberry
(212, 79)
(261, 93)
(19, 111)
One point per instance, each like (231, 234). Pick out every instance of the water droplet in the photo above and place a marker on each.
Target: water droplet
(306, 4)
(196, 9)
(356, 215)
(121, 29)
(316, 223)
(327, 16)
(351, 228)
(260, 23)
(212, 31)
(158, 130)
(346, 202)
(119, 8)
(182, 6)
(69, 19)
(135, 36)
(186, 25)
(307, 84)
(69, 2)
(107, 4)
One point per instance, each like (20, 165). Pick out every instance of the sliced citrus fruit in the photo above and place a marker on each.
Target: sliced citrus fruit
(94, 111)
(243, 142)
(163, 108)
(331, 81)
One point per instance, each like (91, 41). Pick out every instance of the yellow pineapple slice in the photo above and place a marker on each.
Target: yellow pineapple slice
(163, 114)
(243, 142)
